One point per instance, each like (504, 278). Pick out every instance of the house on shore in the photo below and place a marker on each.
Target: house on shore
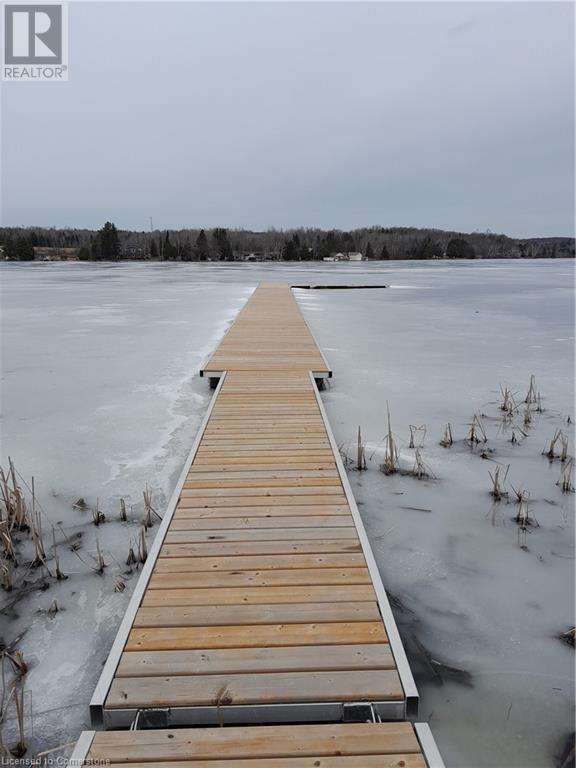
(45, 253)
(349, 256)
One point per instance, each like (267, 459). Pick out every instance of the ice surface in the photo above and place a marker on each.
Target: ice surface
(100, 396)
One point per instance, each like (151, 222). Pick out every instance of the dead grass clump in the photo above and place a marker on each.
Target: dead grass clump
(14, 510)
(123, 515)
(100, 562)
(36, 535)
(59, 575)
(6, 576)
(566, 481)
(414, 432)
(523, 517)
(515, 439)
(142, 548)
(560, 438)
(16, 658)
(7, 542)
(390, 464)
(476, 433)
(98, 517)
(498, 482)
(563, 447)
(569, 636)
(360, 453)
(508, 405)
(20, 749)
(532, 394)
(420, 471)
(148, 508)
(131, 559)
(447, 440)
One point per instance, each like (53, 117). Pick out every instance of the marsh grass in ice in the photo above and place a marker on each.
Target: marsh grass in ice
(100, 398)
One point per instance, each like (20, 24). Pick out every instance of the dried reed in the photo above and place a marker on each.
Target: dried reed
(447, 440)
(100, 563)
(566, 477)
(476, 433)
(508, 404)
(532, 395)
(98, 516)
(413, 432)
(551, 451)
(419, 470)
(20, 749)
(360, 453)
(498, 482)
(148, 508)
(59, 575)
(564, 447)
(142, 548)
(390, 464)
(131, 559)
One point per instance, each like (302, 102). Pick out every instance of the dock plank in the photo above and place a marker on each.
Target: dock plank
(263, 742)
(318, 658)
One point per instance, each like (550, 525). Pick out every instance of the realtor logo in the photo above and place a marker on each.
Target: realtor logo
(35, 42)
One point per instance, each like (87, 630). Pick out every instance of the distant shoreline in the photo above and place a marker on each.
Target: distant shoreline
(237, 262)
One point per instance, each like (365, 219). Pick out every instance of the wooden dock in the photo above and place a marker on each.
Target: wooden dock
(260, 602)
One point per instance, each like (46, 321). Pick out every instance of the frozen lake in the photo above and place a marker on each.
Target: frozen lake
(100, 396)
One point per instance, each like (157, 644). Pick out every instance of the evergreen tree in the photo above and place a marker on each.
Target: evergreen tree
(384, 252)
(153, 249)
(108, 243)
(24, 249)
(458, 248)
(169, 252)
(328, 245)
(10, 252)
(186, 253)
(427, 249)
(289, 252)
(369, 251)
(222, 245)
(202, 249)
(84, 254)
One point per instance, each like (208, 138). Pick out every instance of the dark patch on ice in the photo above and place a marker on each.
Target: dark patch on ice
(398, 604)
(567, 758)
(437, 671)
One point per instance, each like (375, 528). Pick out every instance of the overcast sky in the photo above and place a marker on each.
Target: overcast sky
(452, 115)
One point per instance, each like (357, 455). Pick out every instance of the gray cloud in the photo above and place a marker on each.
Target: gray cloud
(456, 115)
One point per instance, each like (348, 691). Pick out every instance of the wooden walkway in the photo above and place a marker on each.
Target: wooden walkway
(269, 334)
(260, 601)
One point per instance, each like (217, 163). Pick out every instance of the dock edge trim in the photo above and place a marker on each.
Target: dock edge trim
(394, 639)
(81, 749)
(328, 374)
(107, 675)
(428, 744)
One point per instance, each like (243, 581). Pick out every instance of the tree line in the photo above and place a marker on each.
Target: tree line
(303, 244)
